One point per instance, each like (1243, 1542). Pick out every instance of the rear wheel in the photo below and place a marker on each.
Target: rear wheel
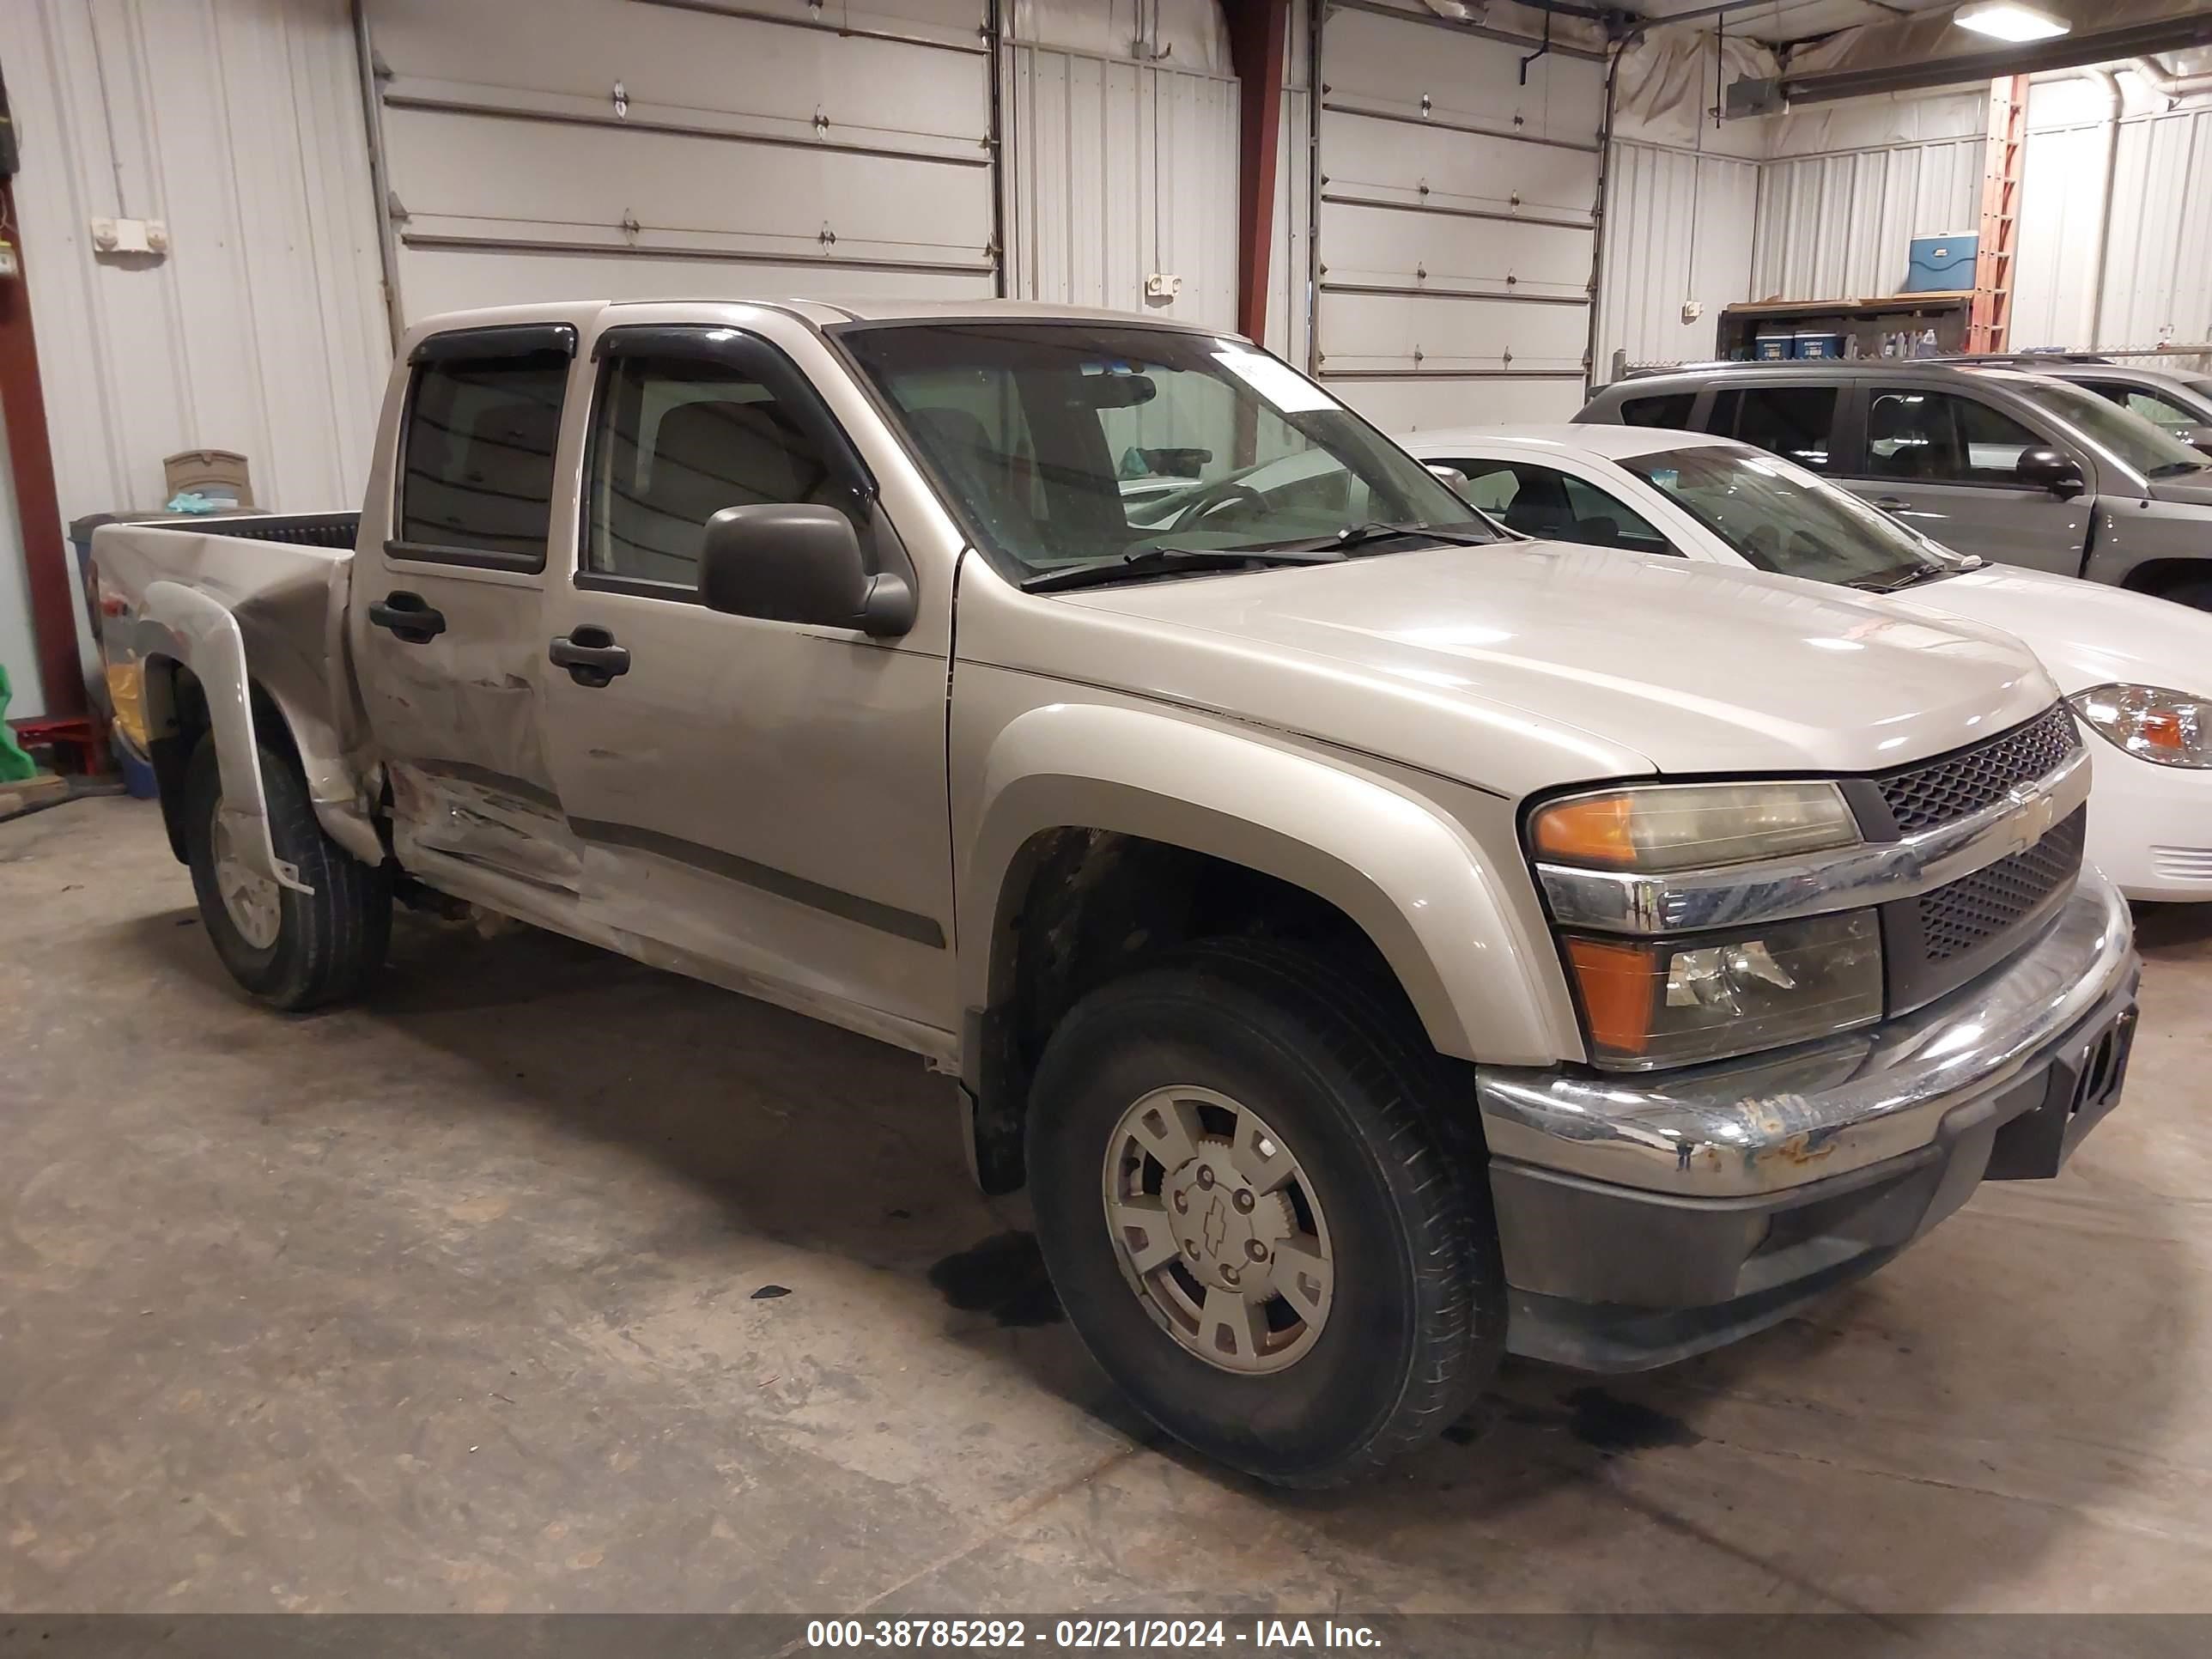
(1251, 1218)
(294, 950)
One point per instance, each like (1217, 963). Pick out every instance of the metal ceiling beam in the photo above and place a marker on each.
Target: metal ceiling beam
(1749, 96)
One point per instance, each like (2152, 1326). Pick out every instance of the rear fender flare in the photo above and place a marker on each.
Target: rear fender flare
(198, 632)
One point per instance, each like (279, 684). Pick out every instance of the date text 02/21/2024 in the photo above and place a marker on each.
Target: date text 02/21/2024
(1126, 1634)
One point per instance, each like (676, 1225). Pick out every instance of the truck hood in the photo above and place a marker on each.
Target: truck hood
(1592, 662)
(2193, 490)
(2085, 632)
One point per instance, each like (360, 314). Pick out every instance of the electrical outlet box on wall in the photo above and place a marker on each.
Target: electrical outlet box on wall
(1161, 287)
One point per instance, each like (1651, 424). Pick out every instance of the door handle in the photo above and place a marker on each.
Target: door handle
(590, 654)
(409, 616)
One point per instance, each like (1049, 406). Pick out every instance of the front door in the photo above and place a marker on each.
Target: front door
(1944, 462)
(767, 798)
(445, 614)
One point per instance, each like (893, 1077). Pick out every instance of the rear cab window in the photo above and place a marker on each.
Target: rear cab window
(477, 446)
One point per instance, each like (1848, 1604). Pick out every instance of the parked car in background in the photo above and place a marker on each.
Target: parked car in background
(2179, 400)
(2137, 669)
(2011, 467)
(1378, 942)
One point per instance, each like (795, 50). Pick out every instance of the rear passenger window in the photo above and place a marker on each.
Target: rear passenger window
(1790, 420)
(1671, 410)
(677, 439)
(476, 465)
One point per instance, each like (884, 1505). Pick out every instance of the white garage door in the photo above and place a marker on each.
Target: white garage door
(1458, 219)
(630, 149)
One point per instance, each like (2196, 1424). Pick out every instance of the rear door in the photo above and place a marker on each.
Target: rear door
(1945, 462)
(445, 612)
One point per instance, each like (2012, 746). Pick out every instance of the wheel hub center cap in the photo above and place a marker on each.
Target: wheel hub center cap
(1227, 1232)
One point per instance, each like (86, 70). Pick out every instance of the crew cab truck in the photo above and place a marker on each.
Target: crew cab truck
(1378, 942)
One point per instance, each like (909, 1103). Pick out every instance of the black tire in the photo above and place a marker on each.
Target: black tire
(2193, 590)
(1348, 1075)
(329, 944)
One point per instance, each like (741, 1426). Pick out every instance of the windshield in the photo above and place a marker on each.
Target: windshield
(1783, 518)
(1067, 444)
(2150, 450)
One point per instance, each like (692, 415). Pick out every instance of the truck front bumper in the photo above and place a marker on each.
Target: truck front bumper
(1643, 1220)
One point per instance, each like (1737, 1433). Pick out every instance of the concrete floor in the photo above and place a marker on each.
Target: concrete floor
(457, 1301)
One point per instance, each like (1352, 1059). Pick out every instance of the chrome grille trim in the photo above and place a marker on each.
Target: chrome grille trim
(1875, 872)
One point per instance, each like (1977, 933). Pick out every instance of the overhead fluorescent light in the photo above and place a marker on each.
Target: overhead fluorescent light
(2008, 20)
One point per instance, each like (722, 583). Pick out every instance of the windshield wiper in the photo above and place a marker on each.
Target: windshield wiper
(2177, 469)
(1360, 535)
(1171, 561)
(1912, 578)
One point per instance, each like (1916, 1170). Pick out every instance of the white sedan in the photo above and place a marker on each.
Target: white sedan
(2137, 670)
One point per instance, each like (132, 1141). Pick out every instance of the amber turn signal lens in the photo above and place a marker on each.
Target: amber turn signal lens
(1595, 830)
(1619, 982)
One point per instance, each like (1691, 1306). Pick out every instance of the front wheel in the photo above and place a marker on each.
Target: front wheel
(1251, 1218)
(292, 950)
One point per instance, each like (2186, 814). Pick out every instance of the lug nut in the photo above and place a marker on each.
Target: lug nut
(1245, 1199)
(1256, 1249)
(1229, 1276)
(1190, 1250)
(1182, 1203)
(1205, 1176)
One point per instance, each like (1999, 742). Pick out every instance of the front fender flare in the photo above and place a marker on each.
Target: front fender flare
(1412, 877)
(180, 623)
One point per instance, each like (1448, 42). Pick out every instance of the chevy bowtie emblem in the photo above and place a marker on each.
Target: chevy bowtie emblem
(2027, 826)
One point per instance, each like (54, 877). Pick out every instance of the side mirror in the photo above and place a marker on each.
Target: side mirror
(2198, 438)
(1451, 477)
(797, 562)
(2046, 468)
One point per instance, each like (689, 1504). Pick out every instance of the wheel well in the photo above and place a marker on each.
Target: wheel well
(1081, 906)
(2157, 576)
(177, 717)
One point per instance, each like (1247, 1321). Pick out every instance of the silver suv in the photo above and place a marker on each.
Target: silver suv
(1990, 461)
(2180, 402)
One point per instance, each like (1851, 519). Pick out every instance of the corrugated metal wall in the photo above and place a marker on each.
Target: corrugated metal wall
(1837, 226)
(2158, 282)
(1456, 220)
(553, 149)
(1679, 226)
(238, 124)
(1119, 170)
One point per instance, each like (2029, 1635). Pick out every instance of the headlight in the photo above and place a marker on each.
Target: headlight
(1653, 1002)
(1691, 826)
(2166, 728)
(1649, 1003)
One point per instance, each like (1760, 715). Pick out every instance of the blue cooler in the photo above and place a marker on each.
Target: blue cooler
(1773, 348)
(1942, 264)
(1816, 344)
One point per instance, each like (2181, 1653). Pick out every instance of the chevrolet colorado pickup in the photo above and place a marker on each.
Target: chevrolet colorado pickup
(1377, 941)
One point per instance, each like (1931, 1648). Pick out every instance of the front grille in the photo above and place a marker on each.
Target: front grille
(1958, 919)
(1957, 786)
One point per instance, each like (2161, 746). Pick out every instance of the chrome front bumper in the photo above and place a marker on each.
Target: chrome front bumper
(1644, 1219)
(1762, 1125)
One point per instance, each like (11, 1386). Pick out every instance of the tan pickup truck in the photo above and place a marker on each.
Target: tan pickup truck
(1378, 941)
